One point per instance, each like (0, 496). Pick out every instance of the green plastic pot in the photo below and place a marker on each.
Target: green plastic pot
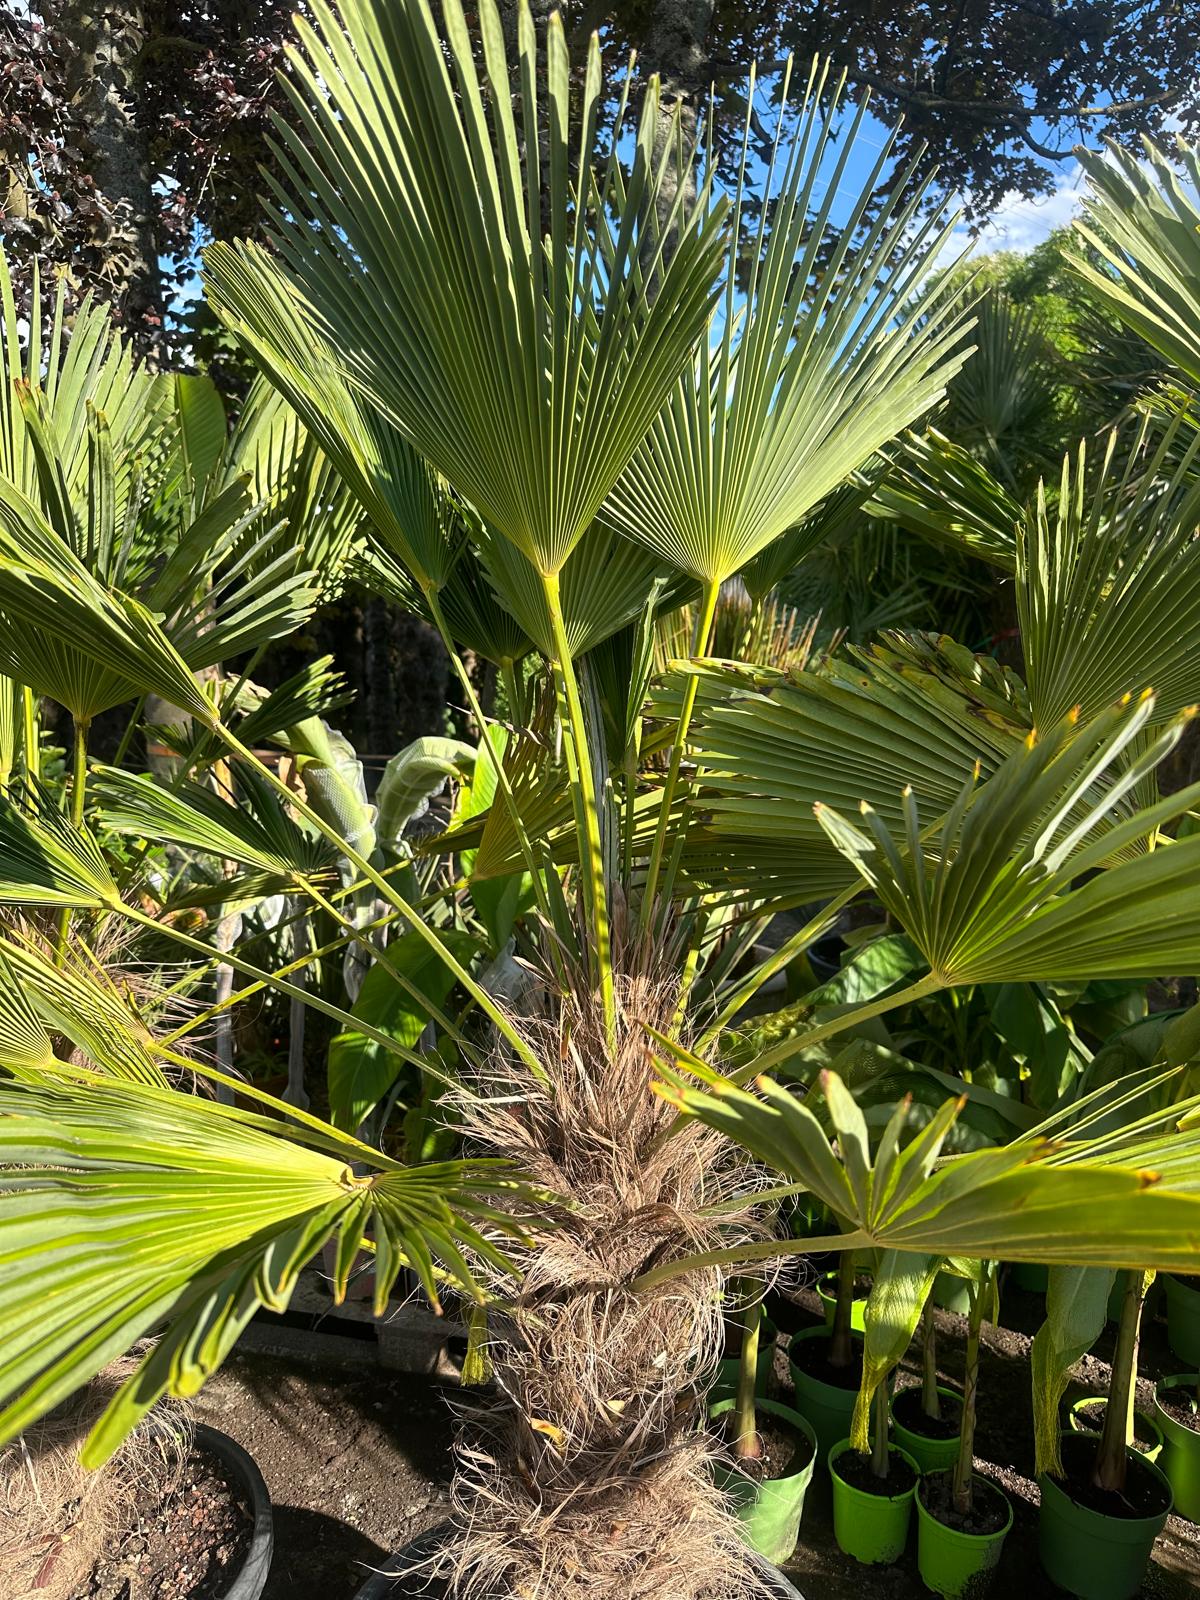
(931, 1455)
(827, 1407)
(873, 1528)
(1180, 1459)
(952, 1293)
(827, 1285)
(769, 1511)
(1183, 1319)
(1081, 1423)
(954, 1563)
(729, 1367)
(1091, 1555)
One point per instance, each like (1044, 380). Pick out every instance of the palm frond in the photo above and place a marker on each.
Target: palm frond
(936, 488)
(1002, 893)
(126, 1207)
(249, 826)
(524, 345)
(813, 365)
(1143, 222)
(1013, 1202)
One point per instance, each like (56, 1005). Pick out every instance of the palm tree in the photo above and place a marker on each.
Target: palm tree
(559, 418)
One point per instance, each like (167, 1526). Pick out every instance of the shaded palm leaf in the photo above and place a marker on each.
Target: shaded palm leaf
(812, 366)
(1108, 580)
(937, 489)
(515, 344)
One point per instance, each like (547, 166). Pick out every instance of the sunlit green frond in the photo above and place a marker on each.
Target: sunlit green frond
(313, 509)
(124, 1207)
(67, 635)
(249, 826)
(45, 860)
(1143, 220)
(524, 344)
(81, 372)
(606, 583)
(80, 999)
(1001, 891)
(1108, 580)
(25, 1043)
(811, 365)
(1014, 1202)
(315, 691)
(771, 745)
(202, 430)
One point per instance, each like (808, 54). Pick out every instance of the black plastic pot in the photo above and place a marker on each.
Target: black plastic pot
(390, 1583)
(250, 1579)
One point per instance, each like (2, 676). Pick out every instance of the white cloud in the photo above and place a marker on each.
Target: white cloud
(1020, 223)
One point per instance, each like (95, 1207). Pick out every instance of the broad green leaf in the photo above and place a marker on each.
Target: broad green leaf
(1076, 1311)
(361, 1072)
(900, 1286)
(412, 778)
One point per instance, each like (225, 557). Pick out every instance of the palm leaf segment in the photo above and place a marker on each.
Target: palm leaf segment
(1099, 1202)
(804, 378)
(128, 1208)
(771, 745)
(991, 898)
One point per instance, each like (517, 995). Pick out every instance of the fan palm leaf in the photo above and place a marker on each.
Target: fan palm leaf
(1142, 220)
(128, 1207)
(811, 366)
(517, 345)
(1002, 893)
(1025, 1201)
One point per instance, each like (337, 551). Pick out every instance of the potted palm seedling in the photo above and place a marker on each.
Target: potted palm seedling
(1088, 1415)
(826, 1364)
(873, 1479)
(873, 1492)
(1183, 1315)
(749, 1322)
(831, 1288)
(1177, 1415)
(774, 1452)
(927, 1417)
(1103, 1502)
(962, 1518)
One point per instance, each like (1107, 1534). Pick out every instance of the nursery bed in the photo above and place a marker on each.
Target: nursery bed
(358, 1462)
